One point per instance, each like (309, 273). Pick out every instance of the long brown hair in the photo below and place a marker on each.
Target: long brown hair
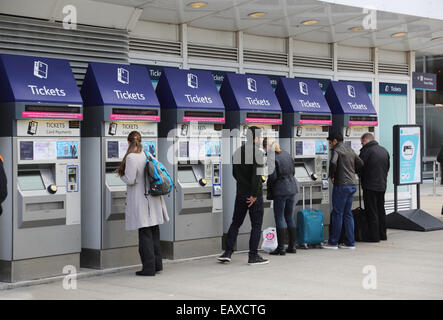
(135, 146)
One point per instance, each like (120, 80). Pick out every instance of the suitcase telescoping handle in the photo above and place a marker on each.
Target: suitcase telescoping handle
(310, 196)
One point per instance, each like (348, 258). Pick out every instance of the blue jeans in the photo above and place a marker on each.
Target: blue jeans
(284, 210)
(342, 197)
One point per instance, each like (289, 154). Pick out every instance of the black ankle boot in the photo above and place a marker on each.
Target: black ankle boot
(291, 246)
(281, 243)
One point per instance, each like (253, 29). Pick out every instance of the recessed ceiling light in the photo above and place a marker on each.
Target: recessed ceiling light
(309, 22)
(355, 29)
(399, 34)
(256, 14)
(197, 5)
(437, 39)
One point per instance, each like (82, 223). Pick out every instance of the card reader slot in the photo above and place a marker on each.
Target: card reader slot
(44, 207)
(197, 196)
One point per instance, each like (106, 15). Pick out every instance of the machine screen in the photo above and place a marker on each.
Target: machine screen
(186, 176)
(30, 181)
(300, 171)
(112, 179)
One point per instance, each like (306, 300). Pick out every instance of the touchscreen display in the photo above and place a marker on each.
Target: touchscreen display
(300, 171)
(28, 181)
(112, 179)
(186, 176)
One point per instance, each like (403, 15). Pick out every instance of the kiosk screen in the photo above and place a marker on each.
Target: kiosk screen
(186, 176)
(300, 171)
(112, 179)
(32, 180)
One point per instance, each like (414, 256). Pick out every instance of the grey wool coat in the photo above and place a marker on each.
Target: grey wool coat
(141, 211)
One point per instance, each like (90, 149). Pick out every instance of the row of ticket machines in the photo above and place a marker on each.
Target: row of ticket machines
(66, 205)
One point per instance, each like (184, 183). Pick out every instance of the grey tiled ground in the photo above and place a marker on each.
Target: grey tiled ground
(409, 266)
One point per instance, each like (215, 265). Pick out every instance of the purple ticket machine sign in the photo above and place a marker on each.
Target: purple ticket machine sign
(353, 113)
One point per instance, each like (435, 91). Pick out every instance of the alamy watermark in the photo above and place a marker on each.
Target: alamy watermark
(370, 280)
(70, 280)
(69, 17)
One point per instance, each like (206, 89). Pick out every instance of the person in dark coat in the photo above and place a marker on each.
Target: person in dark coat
(248, 171)
(3, 185)
(373, 178)
(282, 188)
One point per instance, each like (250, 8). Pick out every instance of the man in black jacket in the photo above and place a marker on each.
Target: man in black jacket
(3, 184)
(373, 178)
(248, 165)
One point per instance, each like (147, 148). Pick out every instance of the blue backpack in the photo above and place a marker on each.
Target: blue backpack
(160, 182)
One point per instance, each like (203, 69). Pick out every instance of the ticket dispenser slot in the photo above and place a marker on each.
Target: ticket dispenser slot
(115, 195)
(193, 197)
(37, 207)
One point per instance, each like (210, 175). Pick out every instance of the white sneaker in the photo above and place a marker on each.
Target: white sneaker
(329, 246)
(343, 246)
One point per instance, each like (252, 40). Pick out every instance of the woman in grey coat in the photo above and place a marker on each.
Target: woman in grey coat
(144, 213)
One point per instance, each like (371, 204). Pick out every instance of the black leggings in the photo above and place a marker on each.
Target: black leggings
(149, 249)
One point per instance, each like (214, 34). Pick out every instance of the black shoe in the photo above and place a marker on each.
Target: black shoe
(225, 257)
(146, 274)
(278, 252)
(257, 259)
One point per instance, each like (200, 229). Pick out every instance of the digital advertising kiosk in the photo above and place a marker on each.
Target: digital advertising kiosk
(352, 111)
(249, 101)
(306, 123)
(118, 99)
(190, 148)
(40, 114)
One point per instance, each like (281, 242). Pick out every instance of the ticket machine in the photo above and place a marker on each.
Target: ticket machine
(352, 111)
(190, 148)
(40, 114)
(306, 122)
(118, 99)
(249, 101)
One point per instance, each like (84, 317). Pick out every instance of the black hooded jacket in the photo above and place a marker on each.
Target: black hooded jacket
(376, 166)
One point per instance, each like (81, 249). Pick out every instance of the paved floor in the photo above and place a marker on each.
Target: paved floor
(408, 266)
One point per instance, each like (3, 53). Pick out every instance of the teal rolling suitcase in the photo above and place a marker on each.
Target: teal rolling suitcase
(310, 226)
